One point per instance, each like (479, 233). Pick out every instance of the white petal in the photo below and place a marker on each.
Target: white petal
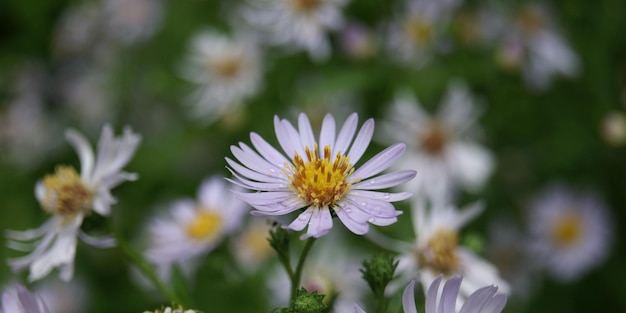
(346, 134)
(408, 298)
(267, 151)
(449, 295)
(377, 208)
(306, 132)
(84, 151)
(327, 134)
(385, 196)
(302, 220)
(431, 296)
(385, 181)
(379, 162)
(470, 164)
(362, 141)
(352, 225)
(244, 171)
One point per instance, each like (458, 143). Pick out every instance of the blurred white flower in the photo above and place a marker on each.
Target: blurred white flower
(132, 21)
(357, 41)
(613, 128)
(194, 227)
(64, 297)
(570, 232)
(226, 70)
(296, 24)
(17, 299)
(534, 41)
(483, 300)
(439, 147)
(168, 309)
(416, 31)
(77, 30)
(341, 284)
(319, 176)
(437, 251)
(69, 197)
(250, 247)
(26, 127)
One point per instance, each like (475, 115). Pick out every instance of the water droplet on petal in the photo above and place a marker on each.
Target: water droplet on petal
(386, 196)
(373, 181)
(303, 217)
(372, 220)
(363, 203)
(272, 170)
(348, 210)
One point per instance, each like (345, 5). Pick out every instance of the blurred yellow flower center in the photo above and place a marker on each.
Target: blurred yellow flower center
(305, 5)
(439, 253)
(320, 182)
(254, 240)
(65, 193)
(567, 230)
(205, 225)
(419, 31)
(228, 67)
(531, 20)
(435, 138)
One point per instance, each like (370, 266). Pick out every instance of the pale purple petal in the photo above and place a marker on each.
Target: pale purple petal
(385, 181)
(267, 151)
(449, 294)
(294, 137)
(259, 161)
(496, 305)
(327, 134)
(385, 196)
(352, 225)
(379, 162)
(306, 132)
(244, 171)
(408, 298)
(431, 296)
(346, 134)
(378, 208)
(302, 220)
(283, 138)
(478, 299)
(358, 309)
(362, 141)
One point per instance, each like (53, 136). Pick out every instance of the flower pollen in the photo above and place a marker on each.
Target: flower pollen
(320, 182)
(228, 67)
(205, 225)
(434, 140)
(419, 31)
(439, 254)
(567, 230)
(305, 6)
(65, 193)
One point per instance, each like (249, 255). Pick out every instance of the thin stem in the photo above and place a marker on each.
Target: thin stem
(295, 281)
(145, 268)
(284, 260)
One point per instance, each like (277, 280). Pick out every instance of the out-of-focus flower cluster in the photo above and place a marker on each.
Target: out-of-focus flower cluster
(478, 144)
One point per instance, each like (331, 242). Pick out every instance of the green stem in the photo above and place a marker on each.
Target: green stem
(381, 303)
(295, 279)
(145, 268)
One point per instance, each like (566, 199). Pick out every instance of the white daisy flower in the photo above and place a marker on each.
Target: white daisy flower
(17, 299)
(195, 226)
(297, 24)
(226, 70)
(341, 284)
(438, 145)
(544, 51)
(250, 247)
(319, 176)
(416, 33)
(69, 197)
(437, 251)
(483, 300)
(570, 232)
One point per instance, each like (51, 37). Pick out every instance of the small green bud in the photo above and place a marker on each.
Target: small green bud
(379, 271)
(306, 302)
(279, 240)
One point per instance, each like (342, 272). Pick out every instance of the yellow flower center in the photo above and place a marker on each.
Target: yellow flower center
(567, 230)
(320, 182)
(205, 225)
(439, 253)
(435, 138)
(228, 67)
(65, 193)
(254, 240)
(305, 6)
(419, 31)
